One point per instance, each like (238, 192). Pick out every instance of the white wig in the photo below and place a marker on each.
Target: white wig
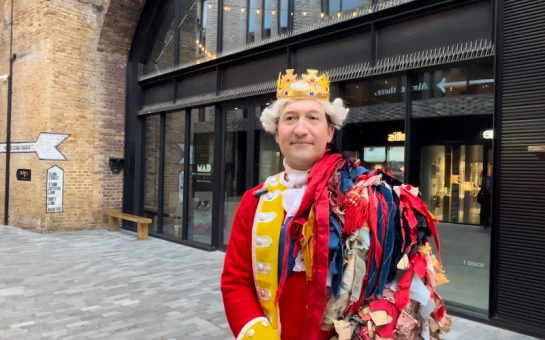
(335, 110)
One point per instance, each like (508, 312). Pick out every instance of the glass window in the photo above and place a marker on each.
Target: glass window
(201, 160)
(267, 156)
(332, 7)
(173, 177)
(283, 17)
(253, 12)
(161, 53)
(374, 132)
(200, 45)
(452, 112)
(151, 170)
(236, 141)
(268, 13)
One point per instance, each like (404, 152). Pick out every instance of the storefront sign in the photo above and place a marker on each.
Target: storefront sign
(55, 189)
(394, 90)
(397, 136)
(204, 168)
(488, 134)
(45, 146)
(23, 174)
(443, 84)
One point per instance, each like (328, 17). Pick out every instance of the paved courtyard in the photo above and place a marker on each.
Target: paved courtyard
(106, 285)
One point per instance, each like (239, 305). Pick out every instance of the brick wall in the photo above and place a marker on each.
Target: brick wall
(68, 78)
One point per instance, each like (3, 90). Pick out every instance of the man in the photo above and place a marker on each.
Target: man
(327, 248)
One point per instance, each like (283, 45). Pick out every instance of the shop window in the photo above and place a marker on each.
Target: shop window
(236, 141)
(267, 156)
(173, 175)
(374, 130)
(452, 119)
(151, 170)
(201, 157)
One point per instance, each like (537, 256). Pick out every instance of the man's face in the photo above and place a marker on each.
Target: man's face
(303, 133)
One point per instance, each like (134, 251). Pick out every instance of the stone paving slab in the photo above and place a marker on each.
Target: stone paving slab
(107, 285)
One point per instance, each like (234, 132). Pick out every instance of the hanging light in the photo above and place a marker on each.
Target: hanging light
(258, 11)
(322, 15)
(242, 10)
(305, 14)
(210, 6)
(273, 12)
(338, 14)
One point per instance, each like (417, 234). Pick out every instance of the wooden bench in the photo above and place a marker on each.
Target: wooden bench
(116, 216)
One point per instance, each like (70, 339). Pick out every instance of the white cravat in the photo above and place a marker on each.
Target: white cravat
(292, 198)
(293, 195)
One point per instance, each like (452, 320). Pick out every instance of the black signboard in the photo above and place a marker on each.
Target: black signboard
(24, 174)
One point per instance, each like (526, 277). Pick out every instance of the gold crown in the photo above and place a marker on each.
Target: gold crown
(310, 86)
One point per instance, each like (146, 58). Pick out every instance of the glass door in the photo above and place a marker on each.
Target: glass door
(235, 167)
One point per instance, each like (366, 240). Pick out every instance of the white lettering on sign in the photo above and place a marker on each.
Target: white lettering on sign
(397, 136)
(45, 146)
(488, 134)
(54, 190)
(204, 168)
(474, 264)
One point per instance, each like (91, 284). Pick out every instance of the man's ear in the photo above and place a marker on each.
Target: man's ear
(330, 133)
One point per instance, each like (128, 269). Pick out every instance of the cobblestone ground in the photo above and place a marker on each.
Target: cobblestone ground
(106, 285)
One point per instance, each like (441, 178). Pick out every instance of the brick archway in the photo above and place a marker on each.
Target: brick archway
(115, 30)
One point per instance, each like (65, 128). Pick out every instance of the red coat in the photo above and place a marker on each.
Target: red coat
(237, 281)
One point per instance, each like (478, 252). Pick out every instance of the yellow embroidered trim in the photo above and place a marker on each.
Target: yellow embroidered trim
(265, 241)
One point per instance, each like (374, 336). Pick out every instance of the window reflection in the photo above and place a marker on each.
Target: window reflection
(161, 53)
(267, 156)
(236, 141)
(374, 132)
(173, 176)
(452, 112)
(200, 181)
(151, 170)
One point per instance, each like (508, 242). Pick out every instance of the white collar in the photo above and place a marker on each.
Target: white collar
(295, 178)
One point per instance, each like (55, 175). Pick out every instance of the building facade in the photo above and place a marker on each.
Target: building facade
(153, 107)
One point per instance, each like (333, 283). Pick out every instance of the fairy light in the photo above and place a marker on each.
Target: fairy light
(338, 14)
(242, 10)
(258, 11)
(273, 12)
(209, 6)
(305, 14)
(354, 14)
(322, 15)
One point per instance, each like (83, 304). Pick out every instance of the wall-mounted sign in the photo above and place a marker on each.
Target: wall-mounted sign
(54, 190)
(23, 174)
(396, 136)
(45, 146)
(207, 168)
(488, 134)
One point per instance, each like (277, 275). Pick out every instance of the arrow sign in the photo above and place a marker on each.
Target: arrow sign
(45, 147)
(444, 84)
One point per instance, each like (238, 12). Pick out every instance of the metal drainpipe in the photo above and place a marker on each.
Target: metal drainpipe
(8, 119)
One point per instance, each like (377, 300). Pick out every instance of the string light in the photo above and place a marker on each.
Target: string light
(228, 8)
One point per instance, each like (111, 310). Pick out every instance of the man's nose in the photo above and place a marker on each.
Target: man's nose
(301, 127)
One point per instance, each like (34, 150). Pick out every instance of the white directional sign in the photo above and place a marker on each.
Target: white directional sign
(55, 189)
(45, 147)
(446, 84)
